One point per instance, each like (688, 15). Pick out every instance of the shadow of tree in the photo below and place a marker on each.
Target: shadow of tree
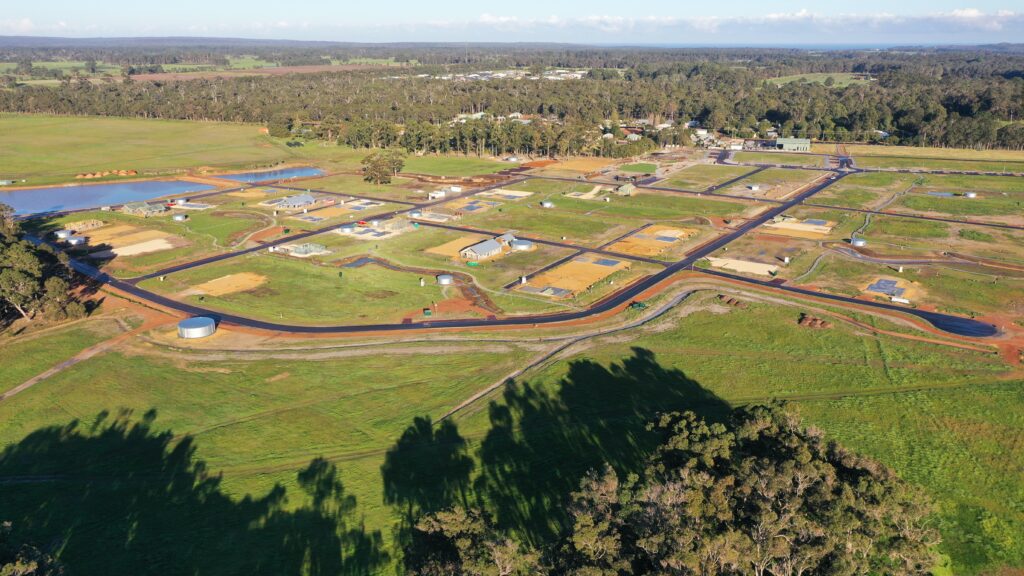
(121, 498)
(541, 442)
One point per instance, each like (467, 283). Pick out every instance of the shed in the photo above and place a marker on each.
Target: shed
(197, 327)
(485, 249)
(793, 144)
(970, 194)
(76, 241)
(445, 279)
(179, 217)
(63, 234)
(547, 204)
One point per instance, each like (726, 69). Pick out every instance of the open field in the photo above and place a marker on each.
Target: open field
(45, 149)
(25, 356)
(774, 183)
(454, 165)
(588, 408)
(841, 79)
(304, 292)
(403, 189)
(640, 168)
(865, 190)
(257, 422)
(858, 150)
(784, 158)
(550, 223)
(702, 176)
(939, 164)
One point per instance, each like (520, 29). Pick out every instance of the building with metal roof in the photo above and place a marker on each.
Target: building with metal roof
(482, 250)
(793, 144)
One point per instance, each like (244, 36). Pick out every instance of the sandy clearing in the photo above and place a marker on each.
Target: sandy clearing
(744, 266)
(645, 243)
(451, 249)
(147, 247)
(230, 284)
(576, 275)
(584, 164)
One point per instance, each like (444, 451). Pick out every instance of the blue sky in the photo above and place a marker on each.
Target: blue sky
(736, 22)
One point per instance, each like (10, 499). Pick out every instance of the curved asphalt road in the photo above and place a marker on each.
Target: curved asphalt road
(953, 324)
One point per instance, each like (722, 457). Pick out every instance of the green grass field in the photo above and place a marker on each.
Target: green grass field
(529, 219)
(786, 158)
(550, 187)
(943, 418)
(45, 149)
(864, 189)
(640, 167)
(27, 356)
(841, 79)
(939, 164)
(299, 291)
(256, 422)
(586, 409)
(454, 165)
(399, 188)
(700, 177)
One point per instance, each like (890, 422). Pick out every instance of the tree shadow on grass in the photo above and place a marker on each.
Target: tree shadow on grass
(542, 441)
(121, 498)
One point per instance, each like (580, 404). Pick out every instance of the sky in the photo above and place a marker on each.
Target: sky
(620, 22)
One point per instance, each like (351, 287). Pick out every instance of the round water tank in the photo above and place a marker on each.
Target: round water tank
(860, 242)
(180, 217)
(197, 327)
(415, 214)
(971, 194)
(445, 279)
(547, 204)
(521, 245)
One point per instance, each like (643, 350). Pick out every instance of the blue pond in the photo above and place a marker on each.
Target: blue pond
(267, 175)
(82, 196)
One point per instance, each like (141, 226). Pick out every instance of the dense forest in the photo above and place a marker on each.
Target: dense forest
(933, 98)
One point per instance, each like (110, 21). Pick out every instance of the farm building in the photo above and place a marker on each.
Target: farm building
(480, 251)
(297, 201)
(144, 209)
(793, 144)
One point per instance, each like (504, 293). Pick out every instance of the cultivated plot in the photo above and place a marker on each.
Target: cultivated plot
(774, 183)
(782, 158)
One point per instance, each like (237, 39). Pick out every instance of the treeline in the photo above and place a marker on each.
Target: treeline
(946, 99)
(754, 495)
(35, 281)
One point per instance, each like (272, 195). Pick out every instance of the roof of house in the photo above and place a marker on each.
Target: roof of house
(298, 200)
(485, 248)
(506, 237)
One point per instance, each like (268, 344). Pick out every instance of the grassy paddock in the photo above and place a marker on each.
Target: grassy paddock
(702, 176)
(48, 149)
(454, 165)
(842, 79)
(787, 158)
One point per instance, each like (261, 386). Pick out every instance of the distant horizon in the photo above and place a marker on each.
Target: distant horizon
(653, 45)
(656, 22)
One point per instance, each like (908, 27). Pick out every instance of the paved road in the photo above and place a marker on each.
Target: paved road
(952, 324)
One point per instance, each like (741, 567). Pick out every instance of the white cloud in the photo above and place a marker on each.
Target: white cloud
(17, 26)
